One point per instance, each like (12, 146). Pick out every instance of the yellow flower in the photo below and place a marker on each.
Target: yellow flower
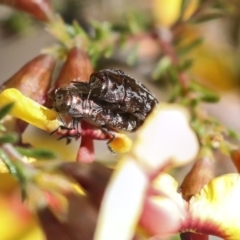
(46, 119)
(166, 12)
(30, 111)
(215, 211)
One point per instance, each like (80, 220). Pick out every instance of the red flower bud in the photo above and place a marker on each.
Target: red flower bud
(40, 9)
(33, 79)
(200, 174)
(77, 67)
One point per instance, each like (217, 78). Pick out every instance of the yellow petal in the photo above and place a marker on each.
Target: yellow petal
(30, 111)
(216, 208)
(121, 143)
(13, 216)
(166, 12)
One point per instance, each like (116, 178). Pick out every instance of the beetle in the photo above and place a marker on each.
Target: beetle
(111, 100)
(116, 87)
(68, 101)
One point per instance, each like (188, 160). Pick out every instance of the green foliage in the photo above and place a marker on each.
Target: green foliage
(182, 50)
(36, 153)
(16, 169)
(9, 138)
(99, 43)
(133, 23)
(18, 23)
(204, 94)
(5, 110)
(161, 67)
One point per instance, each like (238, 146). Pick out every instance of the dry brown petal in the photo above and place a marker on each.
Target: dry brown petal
(235, 156)
(40, 9)
(93, 178)
(200, 174)
(77, 67)
(33, 79)
(80, 223)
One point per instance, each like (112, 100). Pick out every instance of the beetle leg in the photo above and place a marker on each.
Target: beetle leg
(64, 136)
(68, 138)
(112, 135)
(76, 124)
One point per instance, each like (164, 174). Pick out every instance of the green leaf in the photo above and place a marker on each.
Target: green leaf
(5, 110)
(132, 23)
(79, 30)
(184, 6)
(232, 134)
(10, 166)
(175, 93)
(102, 30)
(205, 94)
(162, 66)
(36, 153)
(9, 138)
(172, 74)
(2, 128)
(208, 17)
(108, 51)
(186, 65)
(210, 97)
(132, 56)
(16, 170)
(190, 46)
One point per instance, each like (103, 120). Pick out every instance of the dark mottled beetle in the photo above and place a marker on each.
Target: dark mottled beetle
(111, 100)
(126, 93)
(69, 101)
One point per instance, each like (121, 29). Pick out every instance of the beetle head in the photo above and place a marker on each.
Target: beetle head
(62, 100)
(98, 82)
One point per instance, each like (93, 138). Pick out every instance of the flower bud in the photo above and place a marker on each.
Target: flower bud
(33, 79)
(77, 67)
(200, 174)
(40, 9)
